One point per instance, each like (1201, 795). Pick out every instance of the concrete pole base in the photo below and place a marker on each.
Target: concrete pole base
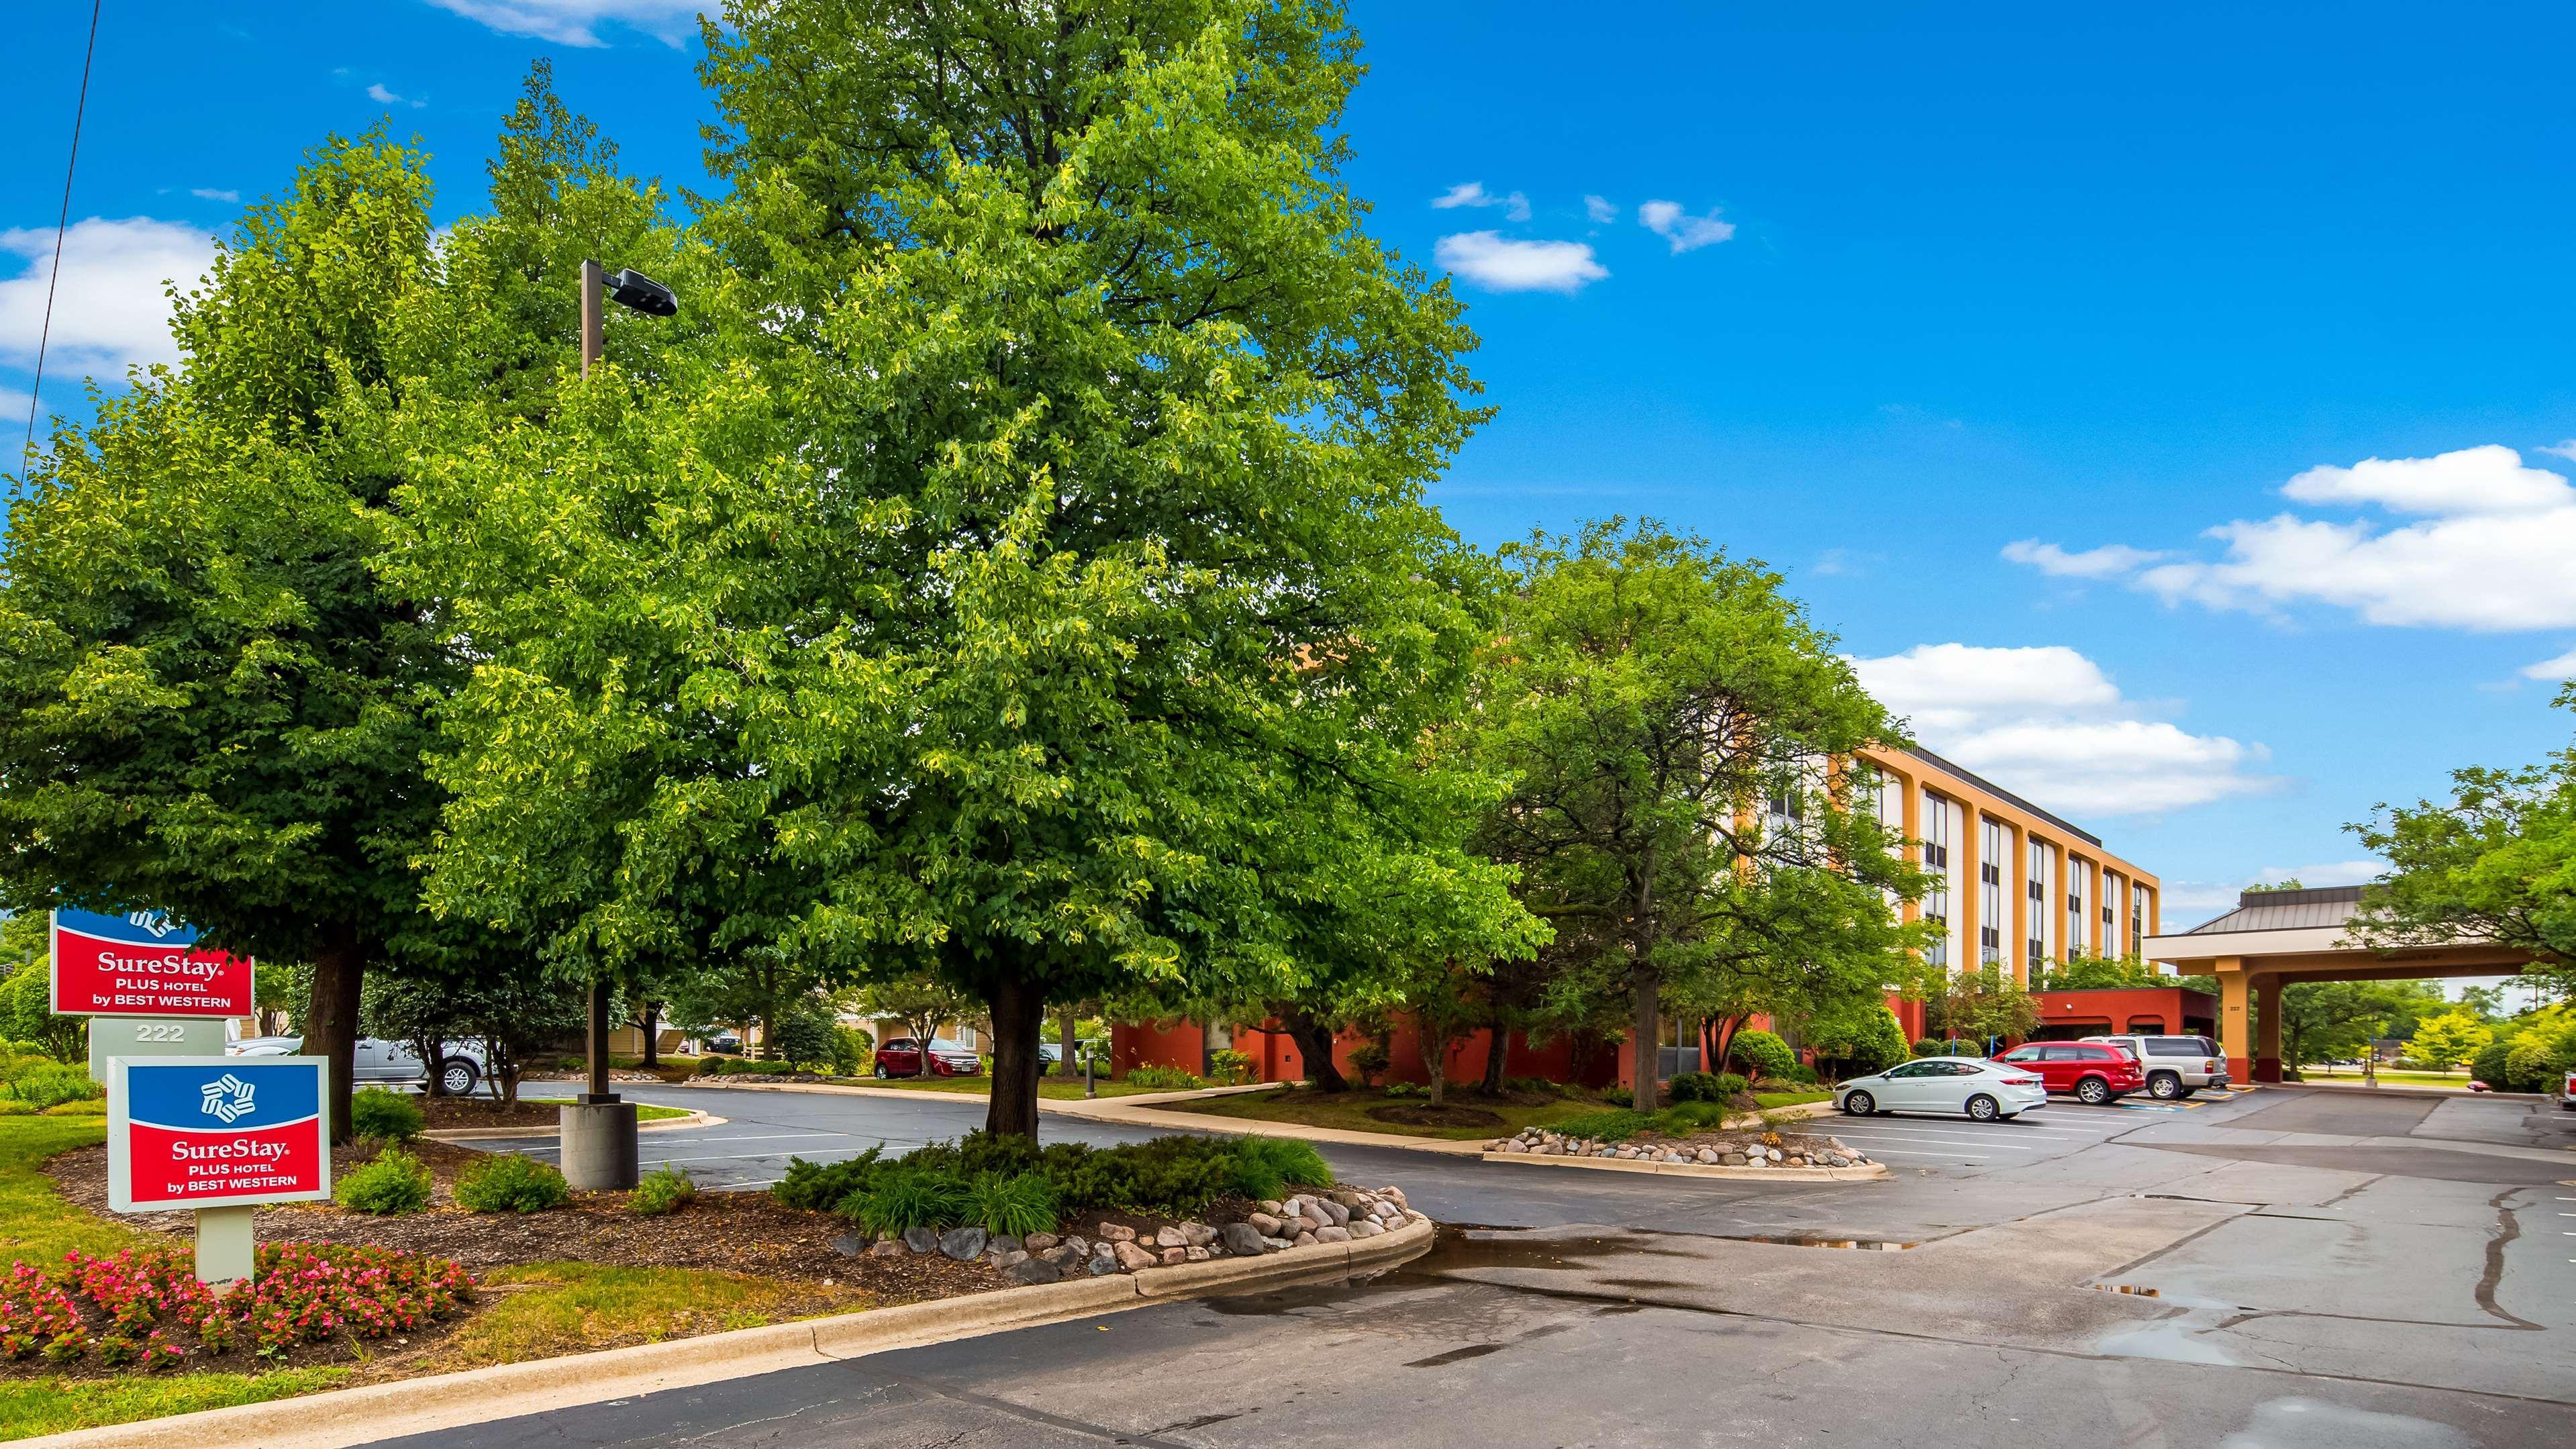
(599, 1146)
(225, 1245)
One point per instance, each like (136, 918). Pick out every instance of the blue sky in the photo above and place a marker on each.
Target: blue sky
(1977, 326)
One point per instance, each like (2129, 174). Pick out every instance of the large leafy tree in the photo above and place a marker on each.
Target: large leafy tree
(1688, 811)
(2327, 1019)
(208, 701)
(2495, 864)
(1017, 572)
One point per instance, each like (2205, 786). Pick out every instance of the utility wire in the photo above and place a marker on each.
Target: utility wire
(62, 224)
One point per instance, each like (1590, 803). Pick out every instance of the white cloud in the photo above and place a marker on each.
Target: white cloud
(109, 311)
(577, 22)
(377, 92)
(1502, 264)
(2048, 724)
(2559, 450)
(2195, 900)
(2108, 561)
(1666, 219)
(2562, 667)
(1473, 193)
(210, 193)
(2490, 550)
(1599, 208)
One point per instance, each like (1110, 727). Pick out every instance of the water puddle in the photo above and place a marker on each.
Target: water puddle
(1790, 1240)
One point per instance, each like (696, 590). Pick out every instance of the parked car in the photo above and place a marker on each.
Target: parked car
(1968, 1086)
(2567, 1094)
(901, 1057)
(725, 1042)
(2094, 1074)
(2176, 1066)
(382, 1063)
(1052, 1052)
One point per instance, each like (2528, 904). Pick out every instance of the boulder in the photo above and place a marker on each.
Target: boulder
(1197, 1235)
(1332, 1235)
(1035, 1270)
(1706, 1156)
(1276, 1245)
(1103, 1260)
(1365, 1228)
(1011, 1259)
(1245, 1238)
(1081, 1245)
(849, 1245)
(1196, 1255)
(921, 1240)
(1266, 1224)
(1169, 1237)
(963, 1244)
(1344, 1196)
(1394, 1195)
(1338, 1214)
(1303, 1240)
(890, 1248)
(1179, 1255)
(1270, 1206)
(1130, 1257)
(1040, 1242)
(1005, 1243)
(1735, 1159)
(1117, 1233)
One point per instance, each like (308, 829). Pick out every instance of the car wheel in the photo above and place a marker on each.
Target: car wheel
(2093, 1091)
(457, 1076)
(882, 1074)
(2165, 1087)
(1983, 1108)
(1860, 1104)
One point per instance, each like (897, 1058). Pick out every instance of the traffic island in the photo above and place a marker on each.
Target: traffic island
(1757, 1156)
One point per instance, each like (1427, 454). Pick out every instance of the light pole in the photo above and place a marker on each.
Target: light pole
(598, 1126)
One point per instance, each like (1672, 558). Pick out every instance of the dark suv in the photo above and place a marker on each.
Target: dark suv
(2176, 1066)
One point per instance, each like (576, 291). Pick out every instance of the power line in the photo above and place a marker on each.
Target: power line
(62, 225)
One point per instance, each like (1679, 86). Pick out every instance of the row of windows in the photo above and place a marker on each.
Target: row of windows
(1940, 819)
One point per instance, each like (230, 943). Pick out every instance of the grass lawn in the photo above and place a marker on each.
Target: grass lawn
(1350, 1111)
(542, 1309)
(29, 1407)
(646, 1112)
(1773, 1101)
(1050, 1087)
(2389, 1077)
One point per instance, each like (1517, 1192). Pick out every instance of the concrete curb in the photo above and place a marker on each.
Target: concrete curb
(481, 1134)
(1256, 1127)
(1872, 1173)
(347, 1417)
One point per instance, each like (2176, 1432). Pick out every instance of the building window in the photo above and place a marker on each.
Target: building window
(2075, 908)
(1990, 892)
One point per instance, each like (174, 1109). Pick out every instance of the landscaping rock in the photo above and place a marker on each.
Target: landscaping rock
(921, 1240)
(1394, 1195)
(890, 1248)
(1735, 1159)
(1347, 1197)
(1276, 1245)
(1365, 1228)
(1197, 1235)
(1081, 1245)
(1130, 1257)
(1263, 1223)
(1040, 1242)
(1245, 1238)
(1707, 1156)
(1270, 1206)
(1332, 1235)
(1035, 1270)
(1117, 1233)
(1303, 1240)
(963, 1244)
(1339, 1214)
(850, 1245)
(1169, 1237)
(1104, 1261)
(1175, 1256)
(1005, 1243)
(1196, 1255)
(1011, 1259)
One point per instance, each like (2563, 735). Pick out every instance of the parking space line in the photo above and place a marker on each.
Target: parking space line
(1944, 1156)
(1930, 1141)
(1937, 1129)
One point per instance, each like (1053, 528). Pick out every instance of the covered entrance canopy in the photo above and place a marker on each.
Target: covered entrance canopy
(2273, 938)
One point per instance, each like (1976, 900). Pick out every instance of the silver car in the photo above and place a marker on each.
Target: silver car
(2176, 1066)
(1961, 1086)
(382, 1063)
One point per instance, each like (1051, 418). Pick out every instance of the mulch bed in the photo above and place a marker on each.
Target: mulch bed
(1447, 1114)
(445, 1113)
(730, 1232)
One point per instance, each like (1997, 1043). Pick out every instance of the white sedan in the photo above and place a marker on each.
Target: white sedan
(1965, 1086)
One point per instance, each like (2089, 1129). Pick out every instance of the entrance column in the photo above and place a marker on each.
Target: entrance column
(2267, 1029)
(2235, 1038)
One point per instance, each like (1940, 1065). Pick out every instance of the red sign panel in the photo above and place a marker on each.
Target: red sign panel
(216, 1132)
(142, 964)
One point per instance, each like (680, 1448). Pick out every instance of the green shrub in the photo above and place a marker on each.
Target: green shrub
(50, 1084)
(90, 1108)
(395, 1182)
(509, 1183)
(1878, 1046)
(906, 1199)
(1720, 1087)
(1619, 1097)
(1536, 1086)
(1765, 1053)
(2493, 1066)
(1407, 1089)
(1616, 1125)
(12, 1107)
(1018, 1205)
(1230, 1067)
(802, 1034)
(1371, 1059)
(665, 1190)
(572, 1064)
(1266, 1167)
(385, 1116)
(853, 1051)
(1163, 1079)
(822, 1186)
(1927, 1047)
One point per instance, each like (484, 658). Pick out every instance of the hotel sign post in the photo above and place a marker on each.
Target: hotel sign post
(220, 1135)
(147, 987)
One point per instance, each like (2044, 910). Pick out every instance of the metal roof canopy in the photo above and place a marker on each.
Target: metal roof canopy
(2305, 933)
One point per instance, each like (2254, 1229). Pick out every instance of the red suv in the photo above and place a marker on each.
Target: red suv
(901, 1057)
(2093, 1074)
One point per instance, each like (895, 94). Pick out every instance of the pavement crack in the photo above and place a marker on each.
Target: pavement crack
(2508, 1228)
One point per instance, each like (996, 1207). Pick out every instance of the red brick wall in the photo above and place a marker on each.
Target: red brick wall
(2174, 1010)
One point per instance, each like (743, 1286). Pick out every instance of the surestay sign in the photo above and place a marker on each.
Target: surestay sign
(142, 964)
(216, 1132)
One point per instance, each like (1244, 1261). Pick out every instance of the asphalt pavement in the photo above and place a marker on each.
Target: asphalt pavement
(2275, 1269)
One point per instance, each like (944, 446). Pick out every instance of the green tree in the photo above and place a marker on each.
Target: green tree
(1684, 810)
(2323, 1019)
(1984, 1005)
(2443, 1042)
(1018, 571)
(2493, 865)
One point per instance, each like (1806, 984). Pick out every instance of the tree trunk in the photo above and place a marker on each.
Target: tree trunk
(1435, 1060)
(1314, 1043)
(1019, 1016)
(652, 1020)
(331, 1016)
(1643, 1034)
(1498, 1041)
(1065, 1044)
